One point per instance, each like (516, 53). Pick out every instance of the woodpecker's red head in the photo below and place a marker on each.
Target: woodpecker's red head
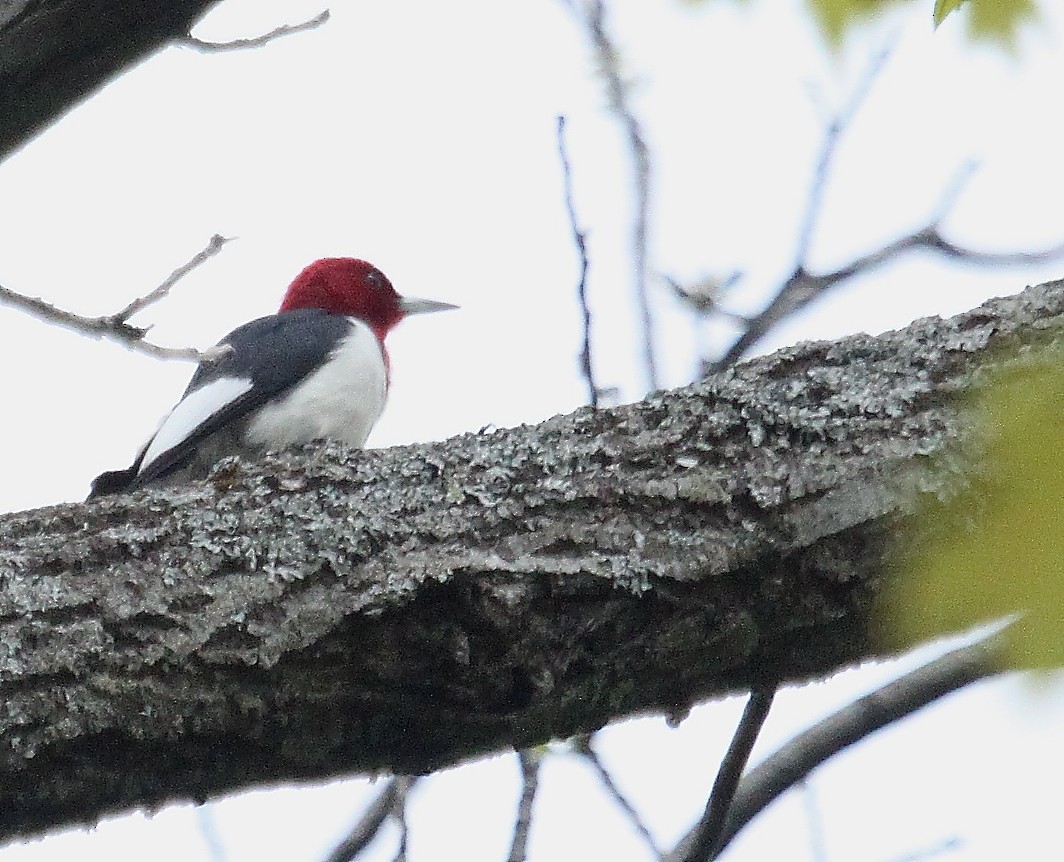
(354, 288)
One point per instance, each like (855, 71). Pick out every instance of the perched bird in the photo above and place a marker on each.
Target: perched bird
(317, 369)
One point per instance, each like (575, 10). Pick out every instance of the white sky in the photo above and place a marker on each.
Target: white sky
(421, 136)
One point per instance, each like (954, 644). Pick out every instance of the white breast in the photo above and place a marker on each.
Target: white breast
(340, 401)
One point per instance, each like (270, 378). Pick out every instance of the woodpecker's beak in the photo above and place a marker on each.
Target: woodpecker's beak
(413, 305)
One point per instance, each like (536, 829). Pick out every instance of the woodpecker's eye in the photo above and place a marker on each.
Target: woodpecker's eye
(375, 276)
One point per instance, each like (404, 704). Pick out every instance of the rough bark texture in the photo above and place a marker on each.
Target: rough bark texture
(323, 612)
(55, 53)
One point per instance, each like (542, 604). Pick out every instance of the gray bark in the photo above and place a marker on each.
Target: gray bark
(324, 612)
(55, 53)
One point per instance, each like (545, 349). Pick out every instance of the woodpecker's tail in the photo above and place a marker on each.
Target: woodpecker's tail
(112, 482)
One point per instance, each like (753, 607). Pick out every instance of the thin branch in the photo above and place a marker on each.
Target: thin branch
(803, 287)
(529, 760)
(705, 840)
(945, 846)
(957, 184)
(214, 245)
(854, 722)
(205, 47)
(587, 369)
(838, 125)
(618, 91)
(391, 799)
(116, 327)
(404, 831)
(704, 296)
(582, 746)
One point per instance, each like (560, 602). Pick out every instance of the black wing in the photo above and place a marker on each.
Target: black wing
(270, 354)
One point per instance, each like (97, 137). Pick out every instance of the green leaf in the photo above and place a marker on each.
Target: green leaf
(1000, 549)
(991, 20)
(999, 20)
(837, 17)
(995, 21)
(944, 7)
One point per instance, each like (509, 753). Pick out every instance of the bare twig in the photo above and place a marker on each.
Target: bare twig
(389, 801)
(116, 327)
(953, 189)
(205, 47)
(838, 125)
(404, 831)
(704, 296)
(582, 746)
(803, 287)
(594, 19)
(587, 369)
(212, 248)
(530, 760)
(854, 722)
(945, 846)
(704, 841)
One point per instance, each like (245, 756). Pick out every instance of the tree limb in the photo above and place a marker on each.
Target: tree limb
(323, 612)
(56, 53)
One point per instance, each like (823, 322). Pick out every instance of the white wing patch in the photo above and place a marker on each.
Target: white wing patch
(339, 401)
(191, 412)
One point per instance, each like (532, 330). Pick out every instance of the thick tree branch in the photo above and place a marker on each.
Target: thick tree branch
(56, 53)
(322, 613)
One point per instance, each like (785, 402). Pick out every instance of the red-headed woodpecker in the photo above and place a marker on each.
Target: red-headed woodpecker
(317, 369)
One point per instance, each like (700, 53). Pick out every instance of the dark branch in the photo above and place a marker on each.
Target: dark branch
(205, 47)
(54, 53)
(803, 287)
(390, 800)
(529, 760)
(705, 840)
(404, 830)
(592, 14)
(116, 327)
(860, 719)
(587, 367)
(838, 125)
(582, 746)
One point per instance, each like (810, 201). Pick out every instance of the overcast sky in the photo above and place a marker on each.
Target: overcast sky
(421, 136)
